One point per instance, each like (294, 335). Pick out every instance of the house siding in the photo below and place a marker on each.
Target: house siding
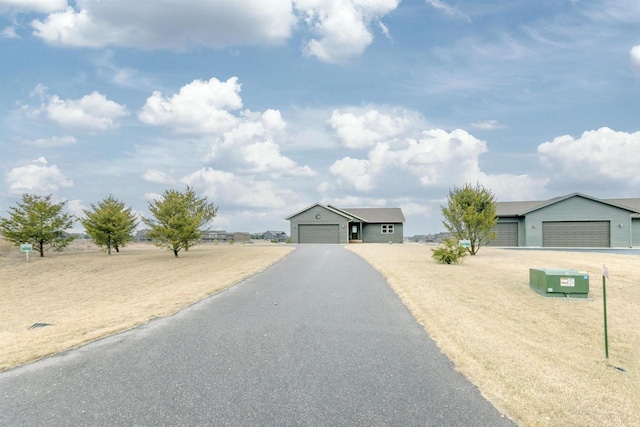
(580, 209)
(327, 217)
(372, 233)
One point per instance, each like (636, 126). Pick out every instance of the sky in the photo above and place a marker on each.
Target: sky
(268, 106)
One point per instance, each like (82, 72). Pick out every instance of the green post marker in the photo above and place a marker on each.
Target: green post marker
(605, 275)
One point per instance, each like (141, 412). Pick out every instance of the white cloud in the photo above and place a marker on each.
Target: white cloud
(342, 26)
(42, 6)
(487, 125)
(635, 59)
(158, 177)
(228, 189)
(436, 159)
(10, 33)
(598, 156)
(358, 173)
(76, 208)
(173, 24)
(364, 130)
(510, 187)
(93, 112)
(246, 141)
(152, 196)
(447, 9)
(54, 141)
(199, 107)
(265, 157)
(36, 177)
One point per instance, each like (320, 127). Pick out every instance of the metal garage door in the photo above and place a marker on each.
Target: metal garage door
(319, 233)
(576, 234)
(506, 234)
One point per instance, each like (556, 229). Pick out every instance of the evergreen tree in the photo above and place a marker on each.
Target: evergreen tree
(110, 224)
(179, 219)
(470, 215)
(39, 221)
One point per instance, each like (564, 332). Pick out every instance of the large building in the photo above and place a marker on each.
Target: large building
(328, 224)
(574, 220)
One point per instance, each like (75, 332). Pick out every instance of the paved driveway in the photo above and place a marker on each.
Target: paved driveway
(316, 339)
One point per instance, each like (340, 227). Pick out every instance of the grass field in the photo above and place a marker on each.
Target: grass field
(87, 294)
(541, 361)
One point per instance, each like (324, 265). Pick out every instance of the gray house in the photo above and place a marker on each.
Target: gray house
(328, 224)
(574, 220)
(280, 236)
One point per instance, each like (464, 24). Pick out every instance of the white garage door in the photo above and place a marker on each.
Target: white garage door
(576, 234)
(506, 234)
(319, 233)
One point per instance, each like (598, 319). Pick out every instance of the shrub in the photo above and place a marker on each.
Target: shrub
(449, 252)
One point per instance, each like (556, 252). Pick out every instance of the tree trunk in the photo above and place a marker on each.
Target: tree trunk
(175, 252)
(41, 249)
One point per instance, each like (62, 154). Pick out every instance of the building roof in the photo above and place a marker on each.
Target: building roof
(377, 215)
(370, 215)
(510, 209)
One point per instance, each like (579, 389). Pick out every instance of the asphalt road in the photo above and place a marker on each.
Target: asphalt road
(317, 339)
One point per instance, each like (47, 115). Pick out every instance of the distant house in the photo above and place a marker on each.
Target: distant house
(215, 236)
(574, 220)
(240, 236)
(271, 235)
(141, 236)
(328, 224)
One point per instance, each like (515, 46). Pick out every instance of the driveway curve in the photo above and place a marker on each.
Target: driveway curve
(316, 339)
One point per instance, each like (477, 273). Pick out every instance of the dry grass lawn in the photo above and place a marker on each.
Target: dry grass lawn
(539, 360)
(87, 294)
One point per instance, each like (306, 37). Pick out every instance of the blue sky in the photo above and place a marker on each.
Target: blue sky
(268, 106)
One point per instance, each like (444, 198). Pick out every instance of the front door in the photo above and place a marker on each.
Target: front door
(355, 235)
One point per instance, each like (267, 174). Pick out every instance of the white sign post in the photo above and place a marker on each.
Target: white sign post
(27, 248)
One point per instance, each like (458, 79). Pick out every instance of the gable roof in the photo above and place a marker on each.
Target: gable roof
(330, 208)
(510, 209)
(377, 215)
(371, 215)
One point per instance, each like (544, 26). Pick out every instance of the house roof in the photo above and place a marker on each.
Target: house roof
(331, 208)
(377, 215)
(371, 215)
(507, 209)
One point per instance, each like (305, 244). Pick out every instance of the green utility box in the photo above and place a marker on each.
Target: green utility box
(559, 283)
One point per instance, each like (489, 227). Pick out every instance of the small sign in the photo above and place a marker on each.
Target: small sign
(464, 243)
(26, 247)
(568, 282)
(605, 271)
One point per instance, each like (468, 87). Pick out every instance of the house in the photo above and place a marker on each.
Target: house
(573, 220)
(329, 224)
(271, 235)
(210, 236)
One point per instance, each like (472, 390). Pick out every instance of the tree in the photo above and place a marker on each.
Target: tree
(470, 215)
(110, 224)
(179, 219)
(450, 252)
(39, 221)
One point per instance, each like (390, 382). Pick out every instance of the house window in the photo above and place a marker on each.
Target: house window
(387, 228)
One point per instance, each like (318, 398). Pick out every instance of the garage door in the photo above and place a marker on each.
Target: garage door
(506, 234)
(319, 233)
(593, 234)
